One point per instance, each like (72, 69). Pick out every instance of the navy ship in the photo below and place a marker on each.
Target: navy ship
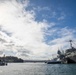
(69, 56)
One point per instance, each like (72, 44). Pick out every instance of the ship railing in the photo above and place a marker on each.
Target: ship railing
(71, 54)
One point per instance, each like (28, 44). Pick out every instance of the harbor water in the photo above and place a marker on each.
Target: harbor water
(38, 69)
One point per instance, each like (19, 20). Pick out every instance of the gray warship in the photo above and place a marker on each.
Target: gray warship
(69, 56)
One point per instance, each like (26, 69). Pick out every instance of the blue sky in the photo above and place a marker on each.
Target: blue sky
(58, 7)
(65, 8)
(60, 12)
(36, 29)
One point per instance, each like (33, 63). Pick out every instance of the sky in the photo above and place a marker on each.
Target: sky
(36, 29)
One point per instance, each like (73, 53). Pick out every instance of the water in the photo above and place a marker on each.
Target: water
(38, 69)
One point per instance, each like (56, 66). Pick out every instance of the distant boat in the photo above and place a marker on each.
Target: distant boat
(54, 61)
(3, 62)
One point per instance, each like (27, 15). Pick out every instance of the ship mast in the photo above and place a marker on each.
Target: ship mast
(71, 43)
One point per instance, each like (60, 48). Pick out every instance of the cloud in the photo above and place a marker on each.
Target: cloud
(24, 30)
(62, 16)
(39, 8)
(61, 40)
(1, 52)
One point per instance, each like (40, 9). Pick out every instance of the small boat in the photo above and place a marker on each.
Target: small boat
(54, 61)
(3, 63)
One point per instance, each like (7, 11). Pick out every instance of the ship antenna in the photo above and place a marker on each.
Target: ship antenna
(71, 43)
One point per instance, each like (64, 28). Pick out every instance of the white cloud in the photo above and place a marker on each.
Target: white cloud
(62, 16)
(25, 30)
(39, 8)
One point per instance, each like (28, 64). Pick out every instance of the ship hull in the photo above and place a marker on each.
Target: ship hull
(56, 62)
(71, 59)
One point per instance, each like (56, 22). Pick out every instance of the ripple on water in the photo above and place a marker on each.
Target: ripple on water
(38, 69)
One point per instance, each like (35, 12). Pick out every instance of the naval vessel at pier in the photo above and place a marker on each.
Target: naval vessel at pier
(68, 57)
